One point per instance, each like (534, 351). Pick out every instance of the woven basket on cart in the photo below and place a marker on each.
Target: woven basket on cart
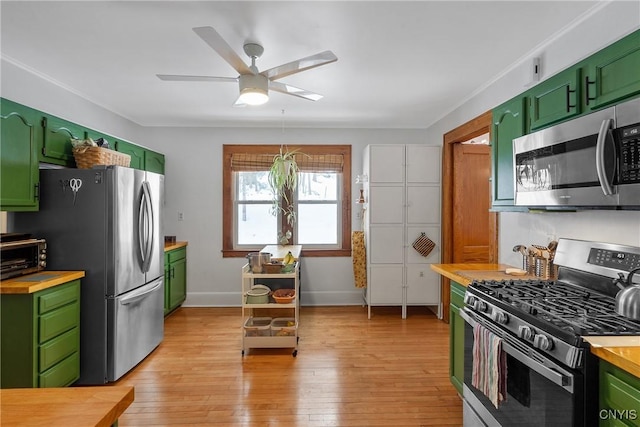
(88, 157)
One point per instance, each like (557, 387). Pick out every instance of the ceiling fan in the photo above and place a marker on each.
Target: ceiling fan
(254, 85)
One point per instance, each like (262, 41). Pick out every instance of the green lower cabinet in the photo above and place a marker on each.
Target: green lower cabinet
(456, 336)
(41, 337)
(175, 279)
(19, 174)
(619, 397)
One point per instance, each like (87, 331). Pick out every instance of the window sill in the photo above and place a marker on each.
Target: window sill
(312, 253)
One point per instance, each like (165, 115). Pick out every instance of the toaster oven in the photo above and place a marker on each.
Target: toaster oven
(20, 254)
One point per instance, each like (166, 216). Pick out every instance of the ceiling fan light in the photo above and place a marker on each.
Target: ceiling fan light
(253, 89)
(253, 96)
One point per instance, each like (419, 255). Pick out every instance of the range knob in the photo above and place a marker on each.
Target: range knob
(470, 299)
(481, 306)
(543, 342)
(525, 332)
(500, 317)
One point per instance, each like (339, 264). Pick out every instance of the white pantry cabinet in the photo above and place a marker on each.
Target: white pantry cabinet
(402, 194)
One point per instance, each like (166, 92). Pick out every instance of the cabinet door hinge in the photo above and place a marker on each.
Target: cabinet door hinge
(44, 122)
(37, 191)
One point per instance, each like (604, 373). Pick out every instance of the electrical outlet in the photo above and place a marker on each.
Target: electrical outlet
(358, 215)
(180, 216)
(422, 274)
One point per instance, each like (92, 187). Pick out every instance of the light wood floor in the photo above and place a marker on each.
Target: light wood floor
(349, 371)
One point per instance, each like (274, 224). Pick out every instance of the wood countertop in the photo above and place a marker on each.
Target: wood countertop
(69, 406)
(171, 246)
(623, 352)
(35, 282)
(467, 273)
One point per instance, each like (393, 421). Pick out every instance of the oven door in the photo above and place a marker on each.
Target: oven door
(540, 392)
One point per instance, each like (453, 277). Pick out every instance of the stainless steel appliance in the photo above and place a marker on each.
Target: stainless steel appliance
(552, 377)
(592, 161)
(21, 254)
(107, 222)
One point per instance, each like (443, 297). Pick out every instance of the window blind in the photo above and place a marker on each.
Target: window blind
(247, 162)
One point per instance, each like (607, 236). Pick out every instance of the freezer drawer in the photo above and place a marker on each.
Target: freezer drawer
(135, 327)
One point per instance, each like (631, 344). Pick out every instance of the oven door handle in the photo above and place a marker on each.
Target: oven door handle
(551, 374)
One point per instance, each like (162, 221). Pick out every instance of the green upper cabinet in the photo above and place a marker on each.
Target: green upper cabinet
(554, 100)
(508, 122)
(135, 151)
(19, 177)
(56, 146)
(141, 158)
(613, 74)
(154, 162)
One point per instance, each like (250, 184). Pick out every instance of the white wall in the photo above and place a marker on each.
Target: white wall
(611, 22)
(194, 187)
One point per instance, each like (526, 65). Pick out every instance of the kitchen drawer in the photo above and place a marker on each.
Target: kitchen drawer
(59, 348)
(58, 321)
(620, 395)
(58, 296)
(63, 374)
(177, 254)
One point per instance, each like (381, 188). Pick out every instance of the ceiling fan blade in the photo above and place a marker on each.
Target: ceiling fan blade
(181, 78)
(303, 64)
(295, 91)
(217, 43)
(239, 104)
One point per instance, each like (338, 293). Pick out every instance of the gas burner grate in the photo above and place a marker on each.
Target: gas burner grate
(574, 309)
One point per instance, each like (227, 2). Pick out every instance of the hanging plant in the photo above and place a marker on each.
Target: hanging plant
(283, 179)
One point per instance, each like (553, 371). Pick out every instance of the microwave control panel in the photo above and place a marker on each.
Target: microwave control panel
(630, 154)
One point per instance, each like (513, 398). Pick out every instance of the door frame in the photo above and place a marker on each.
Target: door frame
(475, 127)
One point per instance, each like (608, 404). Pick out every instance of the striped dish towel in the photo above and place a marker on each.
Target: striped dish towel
(489, 373)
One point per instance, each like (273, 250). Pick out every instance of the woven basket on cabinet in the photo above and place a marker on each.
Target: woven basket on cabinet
(87, 157)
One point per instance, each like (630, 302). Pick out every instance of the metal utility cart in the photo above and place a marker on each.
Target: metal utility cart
(255, 332)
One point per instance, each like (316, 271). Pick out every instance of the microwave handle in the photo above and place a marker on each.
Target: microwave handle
(605, 136)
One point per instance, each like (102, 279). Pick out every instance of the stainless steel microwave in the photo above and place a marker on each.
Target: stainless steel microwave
(589, 162)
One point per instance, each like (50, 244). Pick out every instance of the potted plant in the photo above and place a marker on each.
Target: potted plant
(283, 179)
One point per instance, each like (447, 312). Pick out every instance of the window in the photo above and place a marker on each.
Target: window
(322, 200)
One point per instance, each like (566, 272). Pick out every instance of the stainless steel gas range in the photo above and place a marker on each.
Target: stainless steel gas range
(551, 375)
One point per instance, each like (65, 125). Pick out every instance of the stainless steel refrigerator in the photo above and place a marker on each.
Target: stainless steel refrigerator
(106, 221)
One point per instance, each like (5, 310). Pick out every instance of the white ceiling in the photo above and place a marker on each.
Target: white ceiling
(400, 64)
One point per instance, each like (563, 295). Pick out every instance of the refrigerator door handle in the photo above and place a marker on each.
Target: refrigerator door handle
(146, 226)
(137, 296)
(141, 229)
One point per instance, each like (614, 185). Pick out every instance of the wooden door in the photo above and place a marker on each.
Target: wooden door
(473, 224)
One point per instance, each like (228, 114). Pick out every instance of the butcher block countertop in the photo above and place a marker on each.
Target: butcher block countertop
(171, 246)
(69, 406)
(467, 273)
(35, 282)
(623, 352)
